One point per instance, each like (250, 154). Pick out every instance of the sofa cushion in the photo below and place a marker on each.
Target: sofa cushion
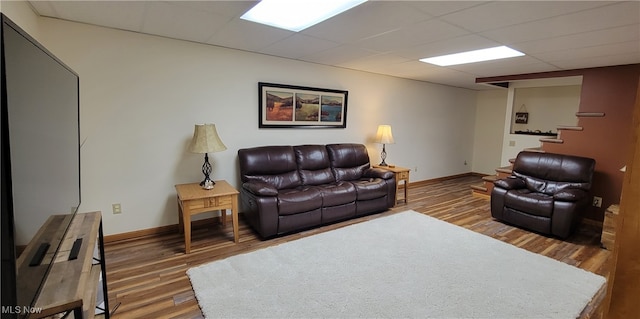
(550, 173)
(275, 165)
(370, 188)
(299, 200)
(313, 164)
(348, 161)
(538, 204)
(337, 193)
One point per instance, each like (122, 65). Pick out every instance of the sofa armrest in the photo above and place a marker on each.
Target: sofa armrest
(260, 188)
(570, 195)
(510, 183)
(375, 172)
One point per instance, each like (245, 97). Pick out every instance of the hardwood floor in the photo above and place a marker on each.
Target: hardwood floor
(146, 276)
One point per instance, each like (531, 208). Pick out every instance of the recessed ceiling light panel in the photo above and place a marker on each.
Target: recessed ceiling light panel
(297, 15)
(501, 52)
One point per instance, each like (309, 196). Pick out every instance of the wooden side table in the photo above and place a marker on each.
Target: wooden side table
(402, 175)
(193, 199)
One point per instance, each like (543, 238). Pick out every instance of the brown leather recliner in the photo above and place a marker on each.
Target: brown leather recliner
(546, 193)
(290, 188)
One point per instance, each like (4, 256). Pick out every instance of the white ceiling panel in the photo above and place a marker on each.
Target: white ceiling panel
(591, 62)
(367, 20)
(339, 55)
(181, 22)
(483, 17)
(447, 46)
(609, 16)
(298, 45)
(103, 13)
(388, 37)
(630, 33)
(244, 35)
(409, 36)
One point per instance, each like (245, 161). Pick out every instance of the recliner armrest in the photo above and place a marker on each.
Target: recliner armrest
(260, 188)
(510, 183)
(570, 195)
(375, 172)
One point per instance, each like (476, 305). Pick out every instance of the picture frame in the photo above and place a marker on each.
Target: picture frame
(290, 106)
(522, 117)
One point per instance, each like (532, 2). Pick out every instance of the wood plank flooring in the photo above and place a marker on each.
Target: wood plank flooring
(146, 276)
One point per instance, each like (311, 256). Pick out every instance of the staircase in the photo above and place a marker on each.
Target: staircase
(484, 189)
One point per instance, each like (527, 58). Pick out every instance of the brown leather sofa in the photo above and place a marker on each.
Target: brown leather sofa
(546, 193)
(290, 188)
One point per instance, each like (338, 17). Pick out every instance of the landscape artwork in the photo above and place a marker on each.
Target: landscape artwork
(331, 109)
(307, 107)
(279, 106)
(289, 106)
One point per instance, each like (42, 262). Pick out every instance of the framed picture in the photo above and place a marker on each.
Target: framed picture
(289, 106)
(522, 117)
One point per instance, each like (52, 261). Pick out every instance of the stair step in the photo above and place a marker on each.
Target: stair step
(535, 149)
(569, 128)
(490, 178)
(512, 160)
(551, 140)
(589, 114)
(505, 169)
(478, 188)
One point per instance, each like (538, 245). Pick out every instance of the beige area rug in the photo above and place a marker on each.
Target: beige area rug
(404, 265)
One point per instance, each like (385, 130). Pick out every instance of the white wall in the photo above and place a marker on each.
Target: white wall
(548, 107)
(489, 130)
(141, 95)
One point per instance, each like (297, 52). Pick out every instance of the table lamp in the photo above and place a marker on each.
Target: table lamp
(383, 137)
(206, 140)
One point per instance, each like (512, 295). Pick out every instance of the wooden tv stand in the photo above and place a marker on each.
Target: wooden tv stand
(72, 285)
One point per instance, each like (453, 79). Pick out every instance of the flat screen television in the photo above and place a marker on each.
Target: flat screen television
(40, 159)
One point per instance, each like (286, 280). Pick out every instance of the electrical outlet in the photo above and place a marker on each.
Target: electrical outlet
(597, 201)
(117, 209)
(415, 168)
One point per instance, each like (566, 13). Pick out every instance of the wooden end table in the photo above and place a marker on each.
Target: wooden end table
(193, 199)
(402, 175)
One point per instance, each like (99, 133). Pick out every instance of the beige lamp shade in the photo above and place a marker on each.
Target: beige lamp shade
(384, 135)
(206, 139)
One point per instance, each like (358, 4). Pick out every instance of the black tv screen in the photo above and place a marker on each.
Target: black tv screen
(40, 155)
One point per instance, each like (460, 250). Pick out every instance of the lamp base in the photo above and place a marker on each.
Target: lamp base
(383, 156)
(207, 183)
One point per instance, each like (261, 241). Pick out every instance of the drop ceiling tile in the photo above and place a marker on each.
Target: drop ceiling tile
(338, 55)
(181, 22)
(449, 77)
(581, 40)
(515, 65)
(411, 36)
(592, 52)
(298, 45)
(621, 14)
(484, 17)
(249, 36)
(439, 8)
(373, 61)
(366, 20)
(447, 46)
(120, 15)
(579, 63)
(231, 9)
